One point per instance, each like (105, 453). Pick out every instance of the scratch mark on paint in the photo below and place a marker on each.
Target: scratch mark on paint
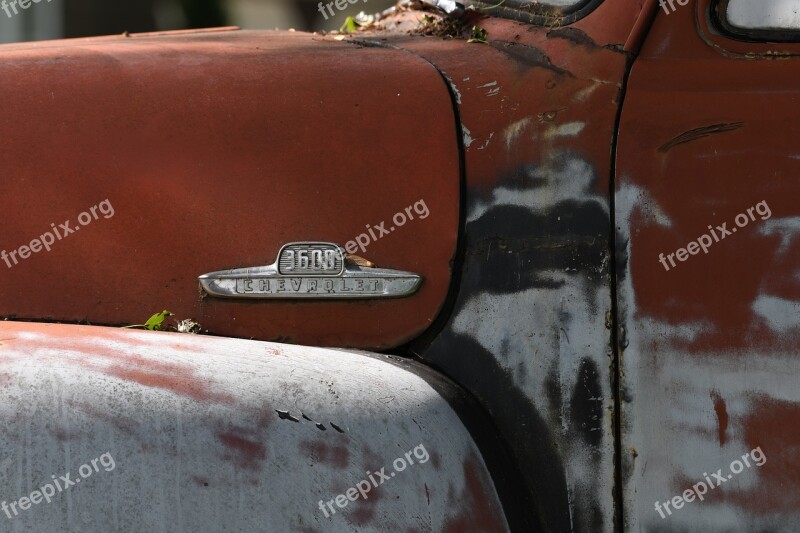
(699, 133)
(722, 415)
(484, 145)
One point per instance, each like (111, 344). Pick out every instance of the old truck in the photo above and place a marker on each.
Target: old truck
(484, 267)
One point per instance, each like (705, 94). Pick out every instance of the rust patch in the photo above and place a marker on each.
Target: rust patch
(475, 514)
(336, 456)
(182, 383)
(699, 133)
(722, 416)
(573, 35)
(528, 56)
(249, 453)
(124, 424)
(774, 426)
(365, 512)
(62, 435)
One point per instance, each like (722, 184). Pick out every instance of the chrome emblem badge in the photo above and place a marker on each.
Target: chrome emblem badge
(311, 270)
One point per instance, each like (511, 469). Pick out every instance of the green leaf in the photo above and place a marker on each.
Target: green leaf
(155, 321)
(349, 25)
(478, 35)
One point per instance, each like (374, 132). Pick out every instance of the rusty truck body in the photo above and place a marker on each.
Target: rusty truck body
(537, 270)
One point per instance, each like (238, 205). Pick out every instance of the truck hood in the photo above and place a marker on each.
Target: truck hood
(197, 152)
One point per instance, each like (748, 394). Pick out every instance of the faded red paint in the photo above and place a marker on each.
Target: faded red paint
(249, 454)
(184, 384)
(471, 505)
(774, 425)
(364, 513)
(321, 452)
(535, 99)
(708, 130)
(124, 424)
(710, 180)
(180, 379)
(63, 435)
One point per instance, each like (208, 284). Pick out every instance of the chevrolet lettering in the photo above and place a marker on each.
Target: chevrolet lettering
(311, 270)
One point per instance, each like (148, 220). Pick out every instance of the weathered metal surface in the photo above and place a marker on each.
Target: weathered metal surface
(226, 435)
(215, 149)
(531, 326)
(710, 371)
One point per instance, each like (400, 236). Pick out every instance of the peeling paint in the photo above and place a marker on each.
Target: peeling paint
(213, 466)
(781, 315)
(513, 131)
(486, 143)
(468, 140)
(787, 228)
(570, 129)
(564, 177)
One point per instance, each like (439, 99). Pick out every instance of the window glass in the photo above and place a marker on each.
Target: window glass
(764, 14)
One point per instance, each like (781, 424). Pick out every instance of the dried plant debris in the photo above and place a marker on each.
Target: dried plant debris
(451, 20)
(357, 260)
(158, 322)
(478, 35)
(362, 21)
(189, 326)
